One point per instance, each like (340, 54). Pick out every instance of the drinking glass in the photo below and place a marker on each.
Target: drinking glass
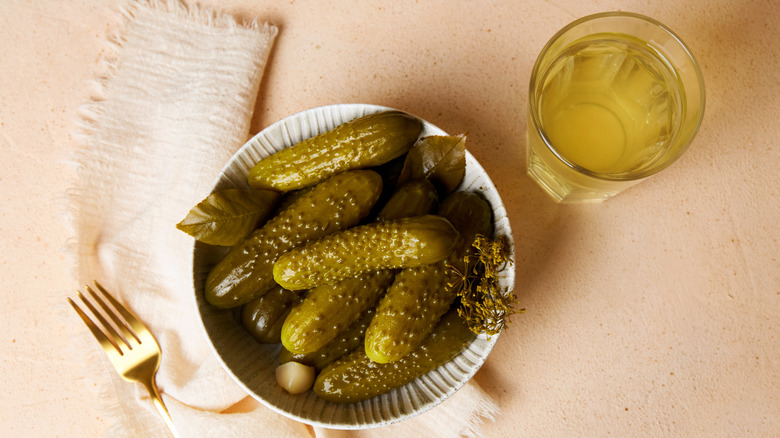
(614, 98)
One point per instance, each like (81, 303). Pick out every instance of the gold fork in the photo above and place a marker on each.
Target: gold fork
(134, 352)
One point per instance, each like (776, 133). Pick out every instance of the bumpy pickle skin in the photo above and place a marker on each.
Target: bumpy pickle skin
(339, 347)
(407, 312)
(337, 203)
(419, 296)
(263, 317)
(326, 311)
(364, 142)
(330, 309)
(355, 377)
(400, 243)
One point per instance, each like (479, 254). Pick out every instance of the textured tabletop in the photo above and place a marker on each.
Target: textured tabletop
(654, 314)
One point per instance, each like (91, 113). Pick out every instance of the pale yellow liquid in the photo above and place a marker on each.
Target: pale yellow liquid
(609, 105)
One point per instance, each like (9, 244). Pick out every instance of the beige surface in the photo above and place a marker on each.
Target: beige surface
(657, 313)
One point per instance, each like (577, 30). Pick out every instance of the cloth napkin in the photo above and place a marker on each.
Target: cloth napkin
(174, 105)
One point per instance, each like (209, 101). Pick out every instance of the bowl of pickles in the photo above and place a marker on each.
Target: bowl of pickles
(352, 266)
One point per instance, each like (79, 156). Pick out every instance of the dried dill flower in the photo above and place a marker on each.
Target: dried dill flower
(483, 305)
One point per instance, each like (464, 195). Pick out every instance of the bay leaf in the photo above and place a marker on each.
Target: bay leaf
(227, 216)
(439, 158)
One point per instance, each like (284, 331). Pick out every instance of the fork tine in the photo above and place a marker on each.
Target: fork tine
(99, 335)
(122, 325)
(137, 326)
(108, 329)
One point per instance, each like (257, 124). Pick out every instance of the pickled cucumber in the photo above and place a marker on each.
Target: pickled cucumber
(470, 214)
(419, 295)
(330, 309)
(337, 203)
(400, 243)
(408, 312)
(263, 317)
(389, 172)
(414, 198)
(367, 141)
(289, 198)
(342, 345)
(355, 377)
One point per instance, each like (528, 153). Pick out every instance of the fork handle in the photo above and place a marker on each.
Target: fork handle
(158, 403)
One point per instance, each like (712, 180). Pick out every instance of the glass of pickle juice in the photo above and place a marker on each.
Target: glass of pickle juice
(614, 98)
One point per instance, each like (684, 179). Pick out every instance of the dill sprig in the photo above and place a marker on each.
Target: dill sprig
(483, 305)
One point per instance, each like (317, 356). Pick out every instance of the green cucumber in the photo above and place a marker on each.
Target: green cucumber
(470, 214)
(263, 317)
(414, 198)
(337, 203)
(419, 295)
(340, 346)
(355, 377)
(399, 243)
(408, 312)
(367, 141)
(330, 309)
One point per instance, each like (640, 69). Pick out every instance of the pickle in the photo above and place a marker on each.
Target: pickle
(343, 344)
(337, 203)
(414, 198)
(290, 197)
(470, 214)
(355, 377)
(367, 141)
(419, 296)
(390, 172)
(330, 309)
(263, 317)
(408, 312)
(400, 243)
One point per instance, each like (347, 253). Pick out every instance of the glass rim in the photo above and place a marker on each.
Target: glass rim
(602, 176)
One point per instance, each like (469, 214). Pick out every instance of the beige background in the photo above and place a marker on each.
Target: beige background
(655, 314)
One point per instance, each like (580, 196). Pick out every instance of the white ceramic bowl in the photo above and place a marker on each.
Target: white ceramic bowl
(252, 365)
